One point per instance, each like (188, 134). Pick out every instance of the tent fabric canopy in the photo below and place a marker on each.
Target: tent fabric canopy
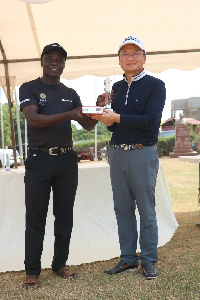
(91, 31)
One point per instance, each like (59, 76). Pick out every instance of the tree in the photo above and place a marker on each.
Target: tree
(82, 134)
(7, 127)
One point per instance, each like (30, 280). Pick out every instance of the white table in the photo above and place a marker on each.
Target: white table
(193, 159)
(95, 232)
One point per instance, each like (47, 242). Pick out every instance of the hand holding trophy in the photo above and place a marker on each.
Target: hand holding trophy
(109, 117)
(104, 101)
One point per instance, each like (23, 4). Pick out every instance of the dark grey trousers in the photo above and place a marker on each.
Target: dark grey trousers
(133, 177)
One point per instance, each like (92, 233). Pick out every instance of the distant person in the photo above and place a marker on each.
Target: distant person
(135, 121)
(49, 106)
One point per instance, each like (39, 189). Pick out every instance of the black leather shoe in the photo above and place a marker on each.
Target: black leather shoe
(121, 267)
(149, 270)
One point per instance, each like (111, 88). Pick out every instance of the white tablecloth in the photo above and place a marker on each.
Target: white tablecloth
(94, 235)
(191, 159)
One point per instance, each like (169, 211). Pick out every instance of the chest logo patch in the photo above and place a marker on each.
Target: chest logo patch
(66, 100)
(43, 96)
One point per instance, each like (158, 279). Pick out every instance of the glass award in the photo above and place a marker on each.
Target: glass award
(107, 82)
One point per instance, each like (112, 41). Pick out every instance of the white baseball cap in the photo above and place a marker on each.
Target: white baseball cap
(132, 40)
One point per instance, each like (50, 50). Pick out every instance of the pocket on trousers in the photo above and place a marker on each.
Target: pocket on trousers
(31, 160)
(74, 154)
(154, 165)
(154, 160)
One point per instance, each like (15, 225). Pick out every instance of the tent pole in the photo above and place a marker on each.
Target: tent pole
(2, 131)
(95, 142)
(19, 130)
(9, 103)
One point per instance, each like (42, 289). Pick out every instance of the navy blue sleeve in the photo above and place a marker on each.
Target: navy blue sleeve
(111, 128)
(114, 87)
(153, 110)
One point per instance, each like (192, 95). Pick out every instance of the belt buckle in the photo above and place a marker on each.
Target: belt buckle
(51, 151)
(126, 147)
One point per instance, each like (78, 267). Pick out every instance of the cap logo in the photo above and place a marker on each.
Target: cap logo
(131, 38)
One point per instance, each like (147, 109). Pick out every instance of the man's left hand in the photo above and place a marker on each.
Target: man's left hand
(108, 117)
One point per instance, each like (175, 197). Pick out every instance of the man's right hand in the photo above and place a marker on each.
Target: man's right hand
(35, 119)
(101, 99)
(85, 121)
(75, 114)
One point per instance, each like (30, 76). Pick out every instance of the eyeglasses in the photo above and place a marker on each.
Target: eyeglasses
(133, 55)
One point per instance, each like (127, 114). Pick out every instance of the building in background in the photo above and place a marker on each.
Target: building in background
(190, 107)
(172, 122)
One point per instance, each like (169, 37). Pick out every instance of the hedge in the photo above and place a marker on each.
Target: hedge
(166, 145)
(84, 146)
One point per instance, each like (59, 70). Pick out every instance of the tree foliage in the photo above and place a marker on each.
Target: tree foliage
(7, 127)
(82, 134)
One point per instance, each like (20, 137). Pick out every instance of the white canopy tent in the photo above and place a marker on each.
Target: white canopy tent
(91, 31)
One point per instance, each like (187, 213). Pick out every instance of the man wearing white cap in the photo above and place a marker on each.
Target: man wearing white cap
(135, 121)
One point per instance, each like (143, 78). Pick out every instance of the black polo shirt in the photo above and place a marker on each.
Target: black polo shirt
(50, 99)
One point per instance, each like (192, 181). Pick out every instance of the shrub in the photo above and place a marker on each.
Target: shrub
(84, 146)
(196, 143)
(165, 145)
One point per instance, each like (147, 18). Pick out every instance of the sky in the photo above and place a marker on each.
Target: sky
(179, 85)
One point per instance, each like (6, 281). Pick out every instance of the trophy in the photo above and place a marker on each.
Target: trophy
(107, 82)
(98, 110)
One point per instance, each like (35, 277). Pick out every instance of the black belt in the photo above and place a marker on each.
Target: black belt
(126, 147)
(53, 150)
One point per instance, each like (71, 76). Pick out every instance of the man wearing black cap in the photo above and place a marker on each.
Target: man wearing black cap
(135, 121)
(49, 106)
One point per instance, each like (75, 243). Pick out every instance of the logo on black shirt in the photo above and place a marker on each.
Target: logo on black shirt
(43, 96)
(64, 100)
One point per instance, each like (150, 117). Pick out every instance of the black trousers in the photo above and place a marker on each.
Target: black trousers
(43, 173)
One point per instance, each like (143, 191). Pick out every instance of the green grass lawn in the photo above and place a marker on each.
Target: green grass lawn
(178, 265)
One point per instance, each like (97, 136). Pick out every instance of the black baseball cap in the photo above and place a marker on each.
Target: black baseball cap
(54, 46)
